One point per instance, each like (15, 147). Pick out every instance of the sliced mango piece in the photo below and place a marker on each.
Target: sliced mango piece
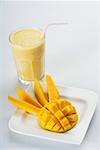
(73, 118)
(26, 97)
(24, 105)
(51, 88)
(52, 107)
(56, 127)
(44, 117)
(39, 93)
(59, 115)
(68, 109)
(68, 127)
(51, 123)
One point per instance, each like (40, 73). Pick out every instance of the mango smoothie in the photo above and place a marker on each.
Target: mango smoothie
(28, 46)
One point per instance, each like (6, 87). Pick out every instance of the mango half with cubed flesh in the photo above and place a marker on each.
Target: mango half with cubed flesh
(54, 113)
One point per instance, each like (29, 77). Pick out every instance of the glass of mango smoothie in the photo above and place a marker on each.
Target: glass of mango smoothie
(28, 47)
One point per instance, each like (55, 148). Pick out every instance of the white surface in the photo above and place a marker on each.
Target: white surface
(85, 102)
(72, 57)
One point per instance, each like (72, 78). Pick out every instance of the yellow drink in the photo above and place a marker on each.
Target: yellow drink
(28, 46)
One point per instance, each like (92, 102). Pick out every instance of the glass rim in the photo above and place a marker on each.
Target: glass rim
(34, 43)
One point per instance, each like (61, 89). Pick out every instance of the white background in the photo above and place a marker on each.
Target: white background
(72, 58)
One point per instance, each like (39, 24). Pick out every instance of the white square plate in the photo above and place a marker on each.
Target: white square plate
(85, 102)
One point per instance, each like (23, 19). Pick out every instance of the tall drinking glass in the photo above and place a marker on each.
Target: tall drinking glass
(28, 47)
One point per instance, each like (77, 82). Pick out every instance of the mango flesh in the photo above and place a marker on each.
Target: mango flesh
(51, 88)
(54, 119)
(24, 105)
(27, 98)
(39, 93)
(54, 113)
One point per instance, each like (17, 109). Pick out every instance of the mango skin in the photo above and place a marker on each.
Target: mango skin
(59, 116)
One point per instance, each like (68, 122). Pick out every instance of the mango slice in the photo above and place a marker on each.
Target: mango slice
(39, 93)
(27, 98)
(24, 106)
(51, 88)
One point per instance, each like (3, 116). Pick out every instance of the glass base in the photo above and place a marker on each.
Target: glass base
(25, 82)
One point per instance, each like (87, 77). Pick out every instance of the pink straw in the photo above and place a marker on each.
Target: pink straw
(53, 24)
